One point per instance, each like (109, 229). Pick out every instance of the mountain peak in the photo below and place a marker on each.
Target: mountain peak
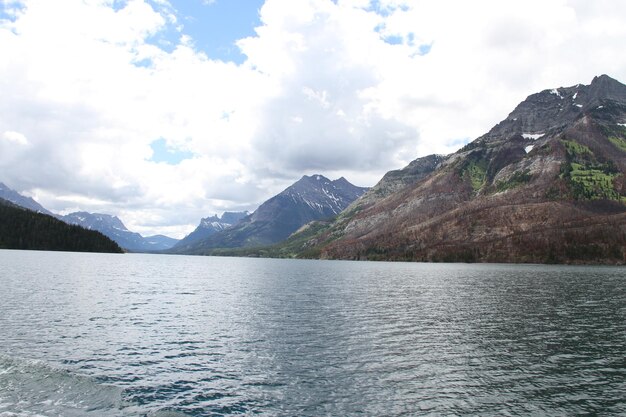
(228, 218)
(604, 87)
(604, 79)
(553, 109)
(209, 226)
(312, 178)
(210, 219)
(341, 181)
(95, 221)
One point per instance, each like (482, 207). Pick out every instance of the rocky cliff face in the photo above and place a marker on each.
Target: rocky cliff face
(311, 198)
(547, 184)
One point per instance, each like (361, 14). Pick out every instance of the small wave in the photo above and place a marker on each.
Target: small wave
(34, 388)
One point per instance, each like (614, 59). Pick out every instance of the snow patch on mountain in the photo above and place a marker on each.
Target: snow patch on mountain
(533, 136)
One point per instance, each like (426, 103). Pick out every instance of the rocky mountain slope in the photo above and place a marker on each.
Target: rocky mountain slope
(22, 228)
(14, 197)
(209, 226)
(547, 184)
(311, 198)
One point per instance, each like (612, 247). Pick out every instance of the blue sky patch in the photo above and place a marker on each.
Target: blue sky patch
(119, 4)
(144, 63)
(8, 10)
(216, 25)
(425, 48)
(163, 153)
(385, 11)
(393, 39)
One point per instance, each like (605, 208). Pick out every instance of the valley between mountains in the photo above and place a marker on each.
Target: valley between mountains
(545, 185)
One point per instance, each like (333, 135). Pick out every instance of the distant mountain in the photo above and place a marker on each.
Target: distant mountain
(209, 226)
(22, 228)
(311, 198)
(110, 226)
(113, 227)
(160, 242)
(547, 184)
(16, 198)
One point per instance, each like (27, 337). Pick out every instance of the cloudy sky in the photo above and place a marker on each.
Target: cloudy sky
(162, 112)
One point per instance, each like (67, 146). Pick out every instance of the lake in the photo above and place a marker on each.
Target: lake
(156, 335)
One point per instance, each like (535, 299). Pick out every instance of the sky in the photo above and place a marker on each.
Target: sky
(166, 111)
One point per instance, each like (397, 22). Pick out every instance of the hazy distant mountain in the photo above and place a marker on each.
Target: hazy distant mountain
(113, 227)
(16, 198)
(209, 226)
(311, 198)
(22, 228)
(547, 184)
(160, 242)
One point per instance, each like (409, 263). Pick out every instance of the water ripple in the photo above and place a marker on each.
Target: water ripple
(137, 335)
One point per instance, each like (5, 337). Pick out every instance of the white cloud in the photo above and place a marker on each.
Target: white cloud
(86, 90)
(15, 137)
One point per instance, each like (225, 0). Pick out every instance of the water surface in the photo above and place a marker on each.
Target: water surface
(135, 335)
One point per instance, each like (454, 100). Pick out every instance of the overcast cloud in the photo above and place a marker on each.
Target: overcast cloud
(351, 87)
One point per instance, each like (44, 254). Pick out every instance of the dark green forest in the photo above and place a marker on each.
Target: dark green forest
(24, 229)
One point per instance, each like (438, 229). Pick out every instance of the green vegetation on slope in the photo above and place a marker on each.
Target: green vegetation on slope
(477, 174)
(576, 150)
(619, 142)
(25, 229)
(517, 179)
(589, 178)
(475, 170)
(593, 183)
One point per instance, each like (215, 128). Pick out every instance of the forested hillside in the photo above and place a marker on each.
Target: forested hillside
(25, 229)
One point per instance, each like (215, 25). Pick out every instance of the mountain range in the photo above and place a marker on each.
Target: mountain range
(311, 198)
(113, 227)
(108, 225)
(547, 184)
(24, 228)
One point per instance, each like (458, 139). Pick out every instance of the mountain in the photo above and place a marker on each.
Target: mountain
(110, 226)
(547, 184)
(160, 242)
(113, 227)
(394, 181)
(310, 198)
(22, 228)
(16, 198)
(209, 226)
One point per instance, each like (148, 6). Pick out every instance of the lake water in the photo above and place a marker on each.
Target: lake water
(151, 335)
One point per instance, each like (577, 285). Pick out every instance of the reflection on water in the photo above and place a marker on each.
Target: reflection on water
(223, 336)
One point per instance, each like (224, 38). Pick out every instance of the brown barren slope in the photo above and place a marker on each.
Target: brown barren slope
(545, 185)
